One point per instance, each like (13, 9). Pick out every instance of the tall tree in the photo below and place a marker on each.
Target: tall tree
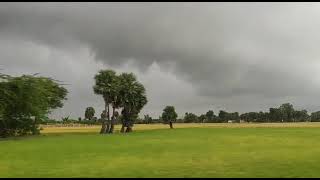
(287, 112)
(169, 115)
(105, 85)
(89, 113)
(132, 98)
(210, 116)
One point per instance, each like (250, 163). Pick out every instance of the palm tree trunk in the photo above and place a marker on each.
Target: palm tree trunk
(112, 120)
(129, 129)
(103, 127)
(122, 128)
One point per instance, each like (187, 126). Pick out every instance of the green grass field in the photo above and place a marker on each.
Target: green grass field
(181, 152)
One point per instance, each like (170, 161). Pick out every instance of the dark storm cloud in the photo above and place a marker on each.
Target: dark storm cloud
(267, 50)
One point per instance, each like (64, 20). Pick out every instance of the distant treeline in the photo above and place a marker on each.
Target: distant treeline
(283, 113)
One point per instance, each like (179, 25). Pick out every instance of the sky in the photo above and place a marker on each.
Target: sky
(195, 56)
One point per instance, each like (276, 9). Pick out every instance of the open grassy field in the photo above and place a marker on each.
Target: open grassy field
(190, 150)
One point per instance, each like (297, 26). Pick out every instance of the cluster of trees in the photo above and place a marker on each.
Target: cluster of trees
(120, 92)
(25, 101)
(208, 117)
(283, 113)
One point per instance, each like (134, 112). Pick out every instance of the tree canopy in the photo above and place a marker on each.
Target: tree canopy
(89, 113)
(25, 101)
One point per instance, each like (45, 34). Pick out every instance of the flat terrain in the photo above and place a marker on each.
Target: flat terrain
(190, 150)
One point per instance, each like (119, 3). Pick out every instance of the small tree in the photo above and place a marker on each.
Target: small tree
(89, 114)
(147, 119)
(190, 118)
(169, 115)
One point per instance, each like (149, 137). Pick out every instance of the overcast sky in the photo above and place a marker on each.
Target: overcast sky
(195, 56)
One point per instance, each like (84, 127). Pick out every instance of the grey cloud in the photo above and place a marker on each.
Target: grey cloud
(223, 49)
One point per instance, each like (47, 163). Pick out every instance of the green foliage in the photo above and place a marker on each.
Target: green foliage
(202, 118)
(284, 113)
(147, 119)
(132, 97)
(65, 120)
(105, 82)
(89, 113)
(25, 101)
(210, 117)
(123, 91)
(190, 118)
(169, 114)
(223, 115)
(315, 116)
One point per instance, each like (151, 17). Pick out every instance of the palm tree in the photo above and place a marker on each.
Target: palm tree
(105, 83)
(115, 103)
(132, 99)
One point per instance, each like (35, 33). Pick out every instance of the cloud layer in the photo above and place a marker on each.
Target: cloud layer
(198, 56)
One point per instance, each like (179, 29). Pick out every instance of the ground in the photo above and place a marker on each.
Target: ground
(190, 150)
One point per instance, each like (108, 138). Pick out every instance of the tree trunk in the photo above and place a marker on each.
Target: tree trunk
(122, 129)
(171, 126)
(103, 127)
(108, 118)
(129, 129)
(112, 120)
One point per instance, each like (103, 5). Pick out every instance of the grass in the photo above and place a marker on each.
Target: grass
(188, 151)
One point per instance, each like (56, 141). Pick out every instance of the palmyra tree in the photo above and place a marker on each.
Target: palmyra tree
(123, 91)
(133, 98)
(105, 82)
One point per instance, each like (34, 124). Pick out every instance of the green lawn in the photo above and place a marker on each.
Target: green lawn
(187, 152)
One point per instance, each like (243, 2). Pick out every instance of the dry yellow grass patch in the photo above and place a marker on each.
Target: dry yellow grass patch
(138, 127)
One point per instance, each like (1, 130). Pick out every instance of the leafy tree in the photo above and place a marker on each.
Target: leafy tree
(234, 116)
(315, 116)
(287, 112)
(169, 115)
(223, 116)
(210, 116)
(147, 119)
(89, 113)
(25, 102)
(202, 118)
(300, 115)
(190, 118)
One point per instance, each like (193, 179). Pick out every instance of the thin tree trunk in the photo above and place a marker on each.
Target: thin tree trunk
(112, 120)
(171, 126)
(122, 129)
(103, 127)
(129, 129)
(108, 118)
